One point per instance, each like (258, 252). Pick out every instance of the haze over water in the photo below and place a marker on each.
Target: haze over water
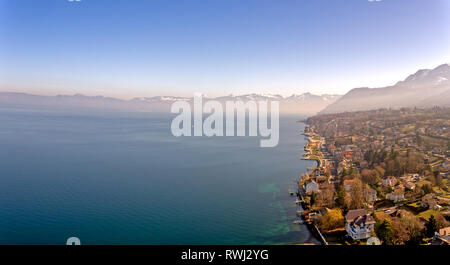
(122, 178)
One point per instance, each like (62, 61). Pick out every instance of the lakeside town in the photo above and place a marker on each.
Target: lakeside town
(382, 177)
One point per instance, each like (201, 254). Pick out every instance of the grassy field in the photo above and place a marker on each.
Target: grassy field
(422, 182)
(415, 204)
(428, 213)
(439, 190)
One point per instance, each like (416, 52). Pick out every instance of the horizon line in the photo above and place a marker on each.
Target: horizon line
(223, 95)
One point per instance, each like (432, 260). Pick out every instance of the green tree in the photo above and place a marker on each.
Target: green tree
(431, 227)
(385, 232)
(340, 197)
(353, 171)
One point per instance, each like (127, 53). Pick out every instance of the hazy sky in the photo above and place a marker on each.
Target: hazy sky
(129, 48)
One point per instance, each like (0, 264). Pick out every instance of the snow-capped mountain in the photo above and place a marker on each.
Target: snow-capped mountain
(305, 103)
(425, 88)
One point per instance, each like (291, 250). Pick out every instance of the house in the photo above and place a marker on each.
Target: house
(370, 195)
(348, 184)
(442, 237)
(444, 232)
(428, 201)
(437, 207)
(389, 181)
(311, 187)
(359, 224)
(396, 196)
(410, 185)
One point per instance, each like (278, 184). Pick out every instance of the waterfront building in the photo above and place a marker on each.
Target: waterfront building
(311, 187)
(359, 224)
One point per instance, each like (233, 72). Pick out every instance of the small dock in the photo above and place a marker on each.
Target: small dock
(299, 222)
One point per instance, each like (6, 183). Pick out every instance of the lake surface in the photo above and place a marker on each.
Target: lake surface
(122, 178)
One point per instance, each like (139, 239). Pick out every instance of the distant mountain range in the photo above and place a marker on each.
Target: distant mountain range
(305, 103)
(425, 88)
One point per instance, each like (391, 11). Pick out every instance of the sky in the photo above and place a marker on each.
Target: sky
(125, 49)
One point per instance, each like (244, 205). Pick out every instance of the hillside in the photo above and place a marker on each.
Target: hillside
(425, 88)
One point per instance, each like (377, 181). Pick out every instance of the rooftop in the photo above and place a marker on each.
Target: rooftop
(353, 214)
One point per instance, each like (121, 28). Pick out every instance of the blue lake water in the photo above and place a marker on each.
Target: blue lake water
(122, 178)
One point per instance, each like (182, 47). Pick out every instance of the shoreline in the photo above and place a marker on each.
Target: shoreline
(312, 147)
(312, 152)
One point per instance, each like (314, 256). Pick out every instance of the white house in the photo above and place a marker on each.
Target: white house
(311, 187)
(437, 207)
(389, 181)
(359, 224)
(396, 196)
